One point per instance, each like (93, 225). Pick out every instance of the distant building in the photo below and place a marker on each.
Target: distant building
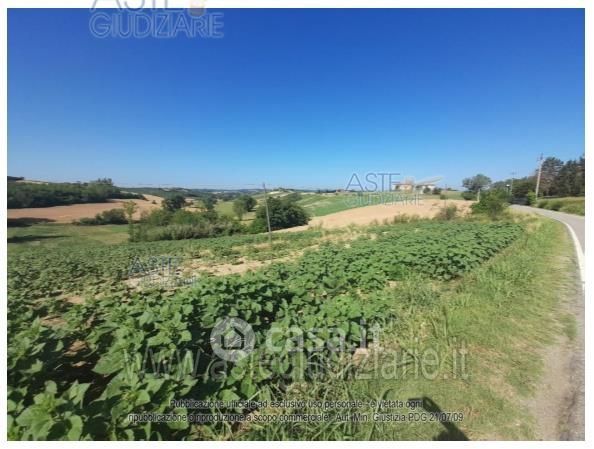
(410, 186)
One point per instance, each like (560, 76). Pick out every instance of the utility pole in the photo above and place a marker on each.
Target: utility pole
(538, 177)
(267, 214)
(511, 185)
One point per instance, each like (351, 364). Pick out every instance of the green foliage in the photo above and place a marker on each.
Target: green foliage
(283, 214)
(530, 198)
(112, 216)
(22, 195)
(448, 212)
(243, 204)
(570, 205)
(468, 195)
(209, 202)
(174, 203)
(292, 197)
(183, 224)
(492, 202)
(555, 205)
(476, 183)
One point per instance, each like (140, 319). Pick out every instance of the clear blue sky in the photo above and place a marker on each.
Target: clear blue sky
(296, 98)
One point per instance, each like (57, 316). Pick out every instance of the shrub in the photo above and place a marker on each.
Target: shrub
(182, 224)
(555, 205)
(243, 204)
(112, 216)
(530, 198)
(443, 196)
(174, 203)
(542, 204)
(158, 217)
(283, 215)
(574, 208)
(468, 195)
(221, 227)
(448, 212)
(492, 202)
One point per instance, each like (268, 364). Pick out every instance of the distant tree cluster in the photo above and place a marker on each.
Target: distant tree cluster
(22, 195)
(560, 178)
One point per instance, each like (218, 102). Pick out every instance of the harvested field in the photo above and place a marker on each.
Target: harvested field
(66, 214)
(368, 214)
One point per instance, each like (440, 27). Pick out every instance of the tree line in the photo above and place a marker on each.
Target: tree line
(557, 179)
(22, 195)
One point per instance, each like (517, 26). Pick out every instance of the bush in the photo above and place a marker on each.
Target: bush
(443, 196)
(447, 213)
(530, 198)
(570, 205)
(182, 224)
(112, 216)
(577, 209)
(221, 227)
(555, 205)
(157, 217)
(468, 195)
(492, 202)
(283, 215)
(243, 204)
(174, 203)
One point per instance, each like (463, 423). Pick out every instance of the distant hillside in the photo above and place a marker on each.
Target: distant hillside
(169, 192)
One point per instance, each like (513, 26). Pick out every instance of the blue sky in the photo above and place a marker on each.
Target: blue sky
(296, 98)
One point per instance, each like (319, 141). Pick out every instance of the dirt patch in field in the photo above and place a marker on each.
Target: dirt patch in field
(380, 213)
(67, 214)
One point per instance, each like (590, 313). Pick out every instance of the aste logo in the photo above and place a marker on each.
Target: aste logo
(153, 19)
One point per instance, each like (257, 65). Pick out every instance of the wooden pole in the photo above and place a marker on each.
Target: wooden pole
(267, 214)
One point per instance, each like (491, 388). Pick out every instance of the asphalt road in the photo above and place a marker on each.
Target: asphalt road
(568, 364)
(576, 222)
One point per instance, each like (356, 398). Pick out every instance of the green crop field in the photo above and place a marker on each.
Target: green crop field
(80, 333)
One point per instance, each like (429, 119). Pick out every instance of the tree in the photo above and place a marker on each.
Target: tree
(129, 208)
(243, 204)
(282, 215)
(476, 183)
(239, 208)
(493, 203)
(209, 202)
(174, 203)
(551, 167)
